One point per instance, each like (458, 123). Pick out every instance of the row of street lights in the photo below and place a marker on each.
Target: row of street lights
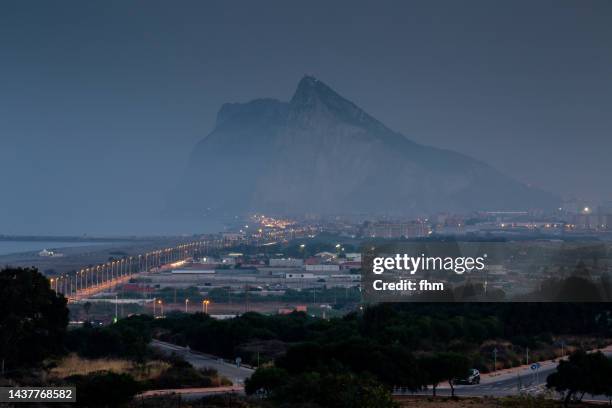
(160, 303)
(95, 278)
(205, 303)
(108, 274)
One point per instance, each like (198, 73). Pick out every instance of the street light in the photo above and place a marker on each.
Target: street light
(562, 348)
(495, 359)
(161, 305)
(186, 303)
(205, 303)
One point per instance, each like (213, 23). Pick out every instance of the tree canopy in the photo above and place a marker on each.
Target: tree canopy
(582, 373)
(33, 318)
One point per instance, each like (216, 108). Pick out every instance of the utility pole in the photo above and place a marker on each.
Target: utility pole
(527, 355)
(495, 359)
(246, 298)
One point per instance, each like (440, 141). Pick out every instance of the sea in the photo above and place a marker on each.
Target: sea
(15, 247)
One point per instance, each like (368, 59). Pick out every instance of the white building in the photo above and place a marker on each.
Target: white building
(49, 254)
(323, 268)
(194, 271)
(286, 262)
(228, 260)
(300, 276)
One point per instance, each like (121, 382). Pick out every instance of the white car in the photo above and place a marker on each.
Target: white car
(472, 377)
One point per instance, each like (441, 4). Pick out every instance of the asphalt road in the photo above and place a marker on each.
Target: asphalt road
(200, 360)
(516, 381)
(526, 381)
(521, 382)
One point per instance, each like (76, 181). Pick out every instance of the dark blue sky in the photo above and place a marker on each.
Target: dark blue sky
(101, 102)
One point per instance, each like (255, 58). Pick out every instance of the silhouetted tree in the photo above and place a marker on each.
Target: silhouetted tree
(443, 367)
(33, 318)
(582, 373)
(266, 380)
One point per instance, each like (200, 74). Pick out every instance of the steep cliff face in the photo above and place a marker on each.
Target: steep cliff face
(320, 153)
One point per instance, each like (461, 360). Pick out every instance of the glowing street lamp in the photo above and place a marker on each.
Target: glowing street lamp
(161, 305)
(205, 303)
(186, 305)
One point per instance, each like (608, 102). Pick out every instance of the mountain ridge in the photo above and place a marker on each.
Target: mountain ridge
(321, 153)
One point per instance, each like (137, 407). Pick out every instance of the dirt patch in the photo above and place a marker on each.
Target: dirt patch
(487, 402)
(75, 365)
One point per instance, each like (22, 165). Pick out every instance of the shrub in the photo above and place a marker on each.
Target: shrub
(104, 389)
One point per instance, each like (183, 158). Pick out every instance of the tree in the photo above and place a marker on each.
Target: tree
(313, 388)
(334, 390)
(582, 373)
(430, 372)
(455, 365)
(33, 318)
(128, 338)
(265, 380)
(181, 374)
(445, 366)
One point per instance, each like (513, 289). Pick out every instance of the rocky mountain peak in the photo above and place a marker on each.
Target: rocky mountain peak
(322, 154)
(314, 100)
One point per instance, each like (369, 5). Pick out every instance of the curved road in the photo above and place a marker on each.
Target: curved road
(200, 360)
(516, 381)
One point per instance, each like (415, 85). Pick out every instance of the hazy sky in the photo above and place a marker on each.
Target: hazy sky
(101, 102)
